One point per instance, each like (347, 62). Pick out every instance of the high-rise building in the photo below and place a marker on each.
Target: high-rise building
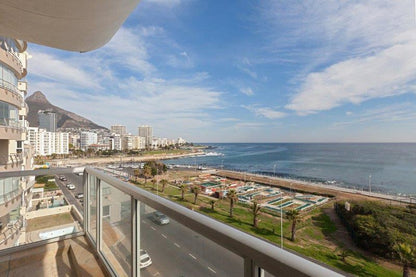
(15, 153)
(47, 143)
(118, 129)
(47, 120)
(88, 138)
(146, 131)
(139, 142)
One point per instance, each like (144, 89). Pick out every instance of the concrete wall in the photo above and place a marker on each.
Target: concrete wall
(46, 212)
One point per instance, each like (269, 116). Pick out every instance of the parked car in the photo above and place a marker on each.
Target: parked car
(79, 195)
(145, 259)
(70, 186)
(160, 218)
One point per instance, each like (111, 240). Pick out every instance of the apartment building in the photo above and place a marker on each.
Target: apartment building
(118, 129)
(146, 131)
(88, 138)
(15, 152)
(47, 120)
(47, 143)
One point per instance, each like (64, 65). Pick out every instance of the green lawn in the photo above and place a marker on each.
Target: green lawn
(313, 233)
(48, 221)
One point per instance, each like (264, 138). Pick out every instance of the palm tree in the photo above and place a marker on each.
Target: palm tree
(153, 183)
(407, 256)
(212, 202)
(293, 216)
(136, 174)
(147, 173)
(164, 182)
(196, 190)
(232, 195)
(255, 208)
(183, 189)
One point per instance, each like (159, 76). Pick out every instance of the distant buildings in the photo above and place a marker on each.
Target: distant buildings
(47, 120)
(146, 131)
(47, 143)
(87, 138)
(118, 129)
(117, 139)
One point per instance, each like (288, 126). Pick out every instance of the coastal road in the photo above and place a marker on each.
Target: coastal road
(176, 250)
(70, 194)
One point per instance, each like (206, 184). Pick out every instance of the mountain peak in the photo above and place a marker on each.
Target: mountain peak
(38, 97)
(64, 119)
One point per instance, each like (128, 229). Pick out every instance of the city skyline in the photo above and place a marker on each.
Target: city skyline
(247, 72)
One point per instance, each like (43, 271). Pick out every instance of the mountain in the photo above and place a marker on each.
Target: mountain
(38, 101)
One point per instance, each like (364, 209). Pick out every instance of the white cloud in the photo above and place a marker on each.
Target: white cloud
(169, 3)
(391, 113)
(350, 51)
(54, 68)
(265, 112)
(387, 73)
(247, 91)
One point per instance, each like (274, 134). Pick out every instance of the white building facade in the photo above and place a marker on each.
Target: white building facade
(88, 138)
(47, 143)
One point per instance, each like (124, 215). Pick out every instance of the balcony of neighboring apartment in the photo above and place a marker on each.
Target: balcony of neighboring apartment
(10, 55)
(117, 235)
(11, 128)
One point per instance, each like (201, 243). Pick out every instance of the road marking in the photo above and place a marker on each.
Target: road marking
(153, 228)
(212, 270)
(156, 274)
(192, 256)
(164, 236)
(177, 245)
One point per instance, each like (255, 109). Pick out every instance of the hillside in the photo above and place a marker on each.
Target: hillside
(65, 119)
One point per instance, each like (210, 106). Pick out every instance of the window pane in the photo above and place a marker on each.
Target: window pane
(116, 228)
(92, 207)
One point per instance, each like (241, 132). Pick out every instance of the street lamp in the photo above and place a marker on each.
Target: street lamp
(369, 183)
(281, 226)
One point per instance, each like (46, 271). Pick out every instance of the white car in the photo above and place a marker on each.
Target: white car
(145, 260)
(160, 218)
(70, 186)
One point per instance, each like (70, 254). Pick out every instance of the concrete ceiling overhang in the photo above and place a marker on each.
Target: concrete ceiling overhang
(75, 25)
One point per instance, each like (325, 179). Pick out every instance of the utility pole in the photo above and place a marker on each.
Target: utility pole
(281, 226)
(369, 183)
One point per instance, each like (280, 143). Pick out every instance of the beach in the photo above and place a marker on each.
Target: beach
(119, 159)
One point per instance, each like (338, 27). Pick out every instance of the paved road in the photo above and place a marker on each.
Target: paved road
(70, 194)
(178, 251)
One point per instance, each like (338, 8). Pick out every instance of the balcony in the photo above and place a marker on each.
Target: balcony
(9, 93)
(118, 228)
(11, 129)
(13, 61)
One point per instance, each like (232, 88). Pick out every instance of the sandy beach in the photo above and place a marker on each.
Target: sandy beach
(119, 159)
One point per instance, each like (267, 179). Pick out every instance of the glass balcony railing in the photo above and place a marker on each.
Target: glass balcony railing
(137, 233)
(13, 88)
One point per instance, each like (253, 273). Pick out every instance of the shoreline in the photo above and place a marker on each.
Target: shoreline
(310, 187)
(120, 159)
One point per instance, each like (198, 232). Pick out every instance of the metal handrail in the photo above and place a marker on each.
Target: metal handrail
(266, 255)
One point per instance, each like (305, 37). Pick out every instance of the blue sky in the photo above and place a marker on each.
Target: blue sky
(247, 71)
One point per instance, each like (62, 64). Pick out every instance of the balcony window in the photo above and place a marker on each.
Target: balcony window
(9, 115)
(7, 78)
(9, 188)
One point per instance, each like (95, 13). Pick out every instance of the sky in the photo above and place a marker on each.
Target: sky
(247, 71)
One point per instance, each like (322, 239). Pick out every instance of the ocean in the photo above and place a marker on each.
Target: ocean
(392, 166)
